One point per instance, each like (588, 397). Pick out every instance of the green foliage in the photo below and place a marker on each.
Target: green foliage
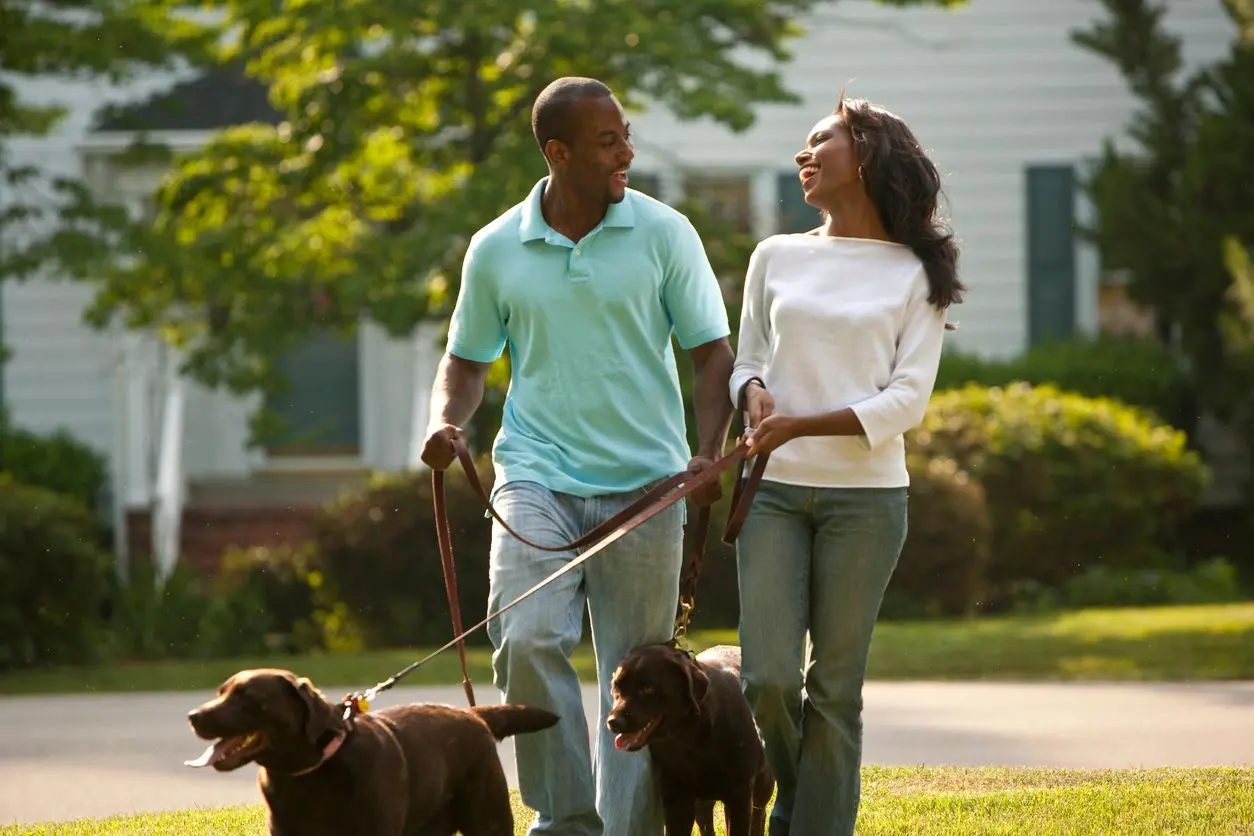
(407, 128)
(943, 565)
(379, 552)
(58, 462)
(1070, 481)
(54, 574)
(1135, 371)
(1213, 581)
(1166, 205)
(187, 617)
(109, 39)
(301, 607)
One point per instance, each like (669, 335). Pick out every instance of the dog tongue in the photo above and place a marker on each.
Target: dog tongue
(211, 755)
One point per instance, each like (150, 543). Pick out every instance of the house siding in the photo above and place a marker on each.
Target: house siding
(988, 89)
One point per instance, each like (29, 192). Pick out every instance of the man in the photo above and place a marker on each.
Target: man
(586, 280)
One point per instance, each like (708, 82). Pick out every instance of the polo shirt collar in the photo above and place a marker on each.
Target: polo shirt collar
(533, 227)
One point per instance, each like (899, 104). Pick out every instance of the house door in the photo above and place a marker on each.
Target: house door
(321, 409)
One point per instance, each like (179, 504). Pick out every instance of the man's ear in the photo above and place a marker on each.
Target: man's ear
(556, 152)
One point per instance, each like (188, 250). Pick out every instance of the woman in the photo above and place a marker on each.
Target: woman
(840, 338)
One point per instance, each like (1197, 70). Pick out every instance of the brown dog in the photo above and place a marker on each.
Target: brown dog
(697, 725)
(411, 770)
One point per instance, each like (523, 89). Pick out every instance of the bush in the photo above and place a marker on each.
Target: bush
(1070, 481)
(54, 576)
(1135, 371)
(1213, 581)
(187, 617)
(56, 462)
(301, 606)
(943, 566)
(379, 551)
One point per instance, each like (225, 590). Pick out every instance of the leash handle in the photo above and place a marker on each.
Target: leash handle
(445, 540)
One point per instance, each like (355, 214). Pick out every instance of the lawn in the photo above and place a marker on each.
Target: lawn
(1158, 643)
(1041, 802)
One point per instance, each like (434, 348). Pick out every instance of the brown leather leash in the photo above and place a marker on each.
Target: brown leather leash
(654, 501)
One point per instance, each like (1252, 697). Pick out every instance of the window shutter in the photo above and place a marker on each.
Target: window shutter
(1051, 261)
(793, 214)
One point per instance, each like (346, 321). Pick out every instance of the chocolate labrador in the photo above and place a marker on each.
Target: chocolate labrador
(410, 770)
(697, 725)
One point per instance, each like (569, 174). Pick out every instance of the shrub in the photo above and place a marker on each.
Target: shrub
(301, 606)
(1213, 581)
(378, 549)
(53, 574)
(57, 462)
(1132, 370)
(943, 566)
(1070, 481)
(187, 617)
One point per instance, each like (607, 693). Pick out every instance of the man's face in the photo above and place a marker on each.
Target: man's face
(596, 160)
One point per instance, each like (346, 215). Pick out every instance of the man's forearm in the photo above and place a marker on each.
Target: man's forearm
(457, 390)
(711, 405)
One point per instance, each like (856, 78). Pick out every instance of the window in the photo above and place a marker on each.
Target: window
(728, 198)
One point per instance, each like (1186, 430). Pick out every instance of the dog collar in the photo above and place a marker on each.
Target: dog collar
(328, 751)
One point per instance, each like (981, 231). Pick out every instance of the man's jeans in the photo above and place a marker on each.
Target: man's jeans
(631, 589)
(816, 559)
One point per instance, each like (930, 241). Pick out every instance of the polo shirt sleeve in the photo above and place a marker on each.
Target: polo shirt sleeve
(690, 290)
(477, 328)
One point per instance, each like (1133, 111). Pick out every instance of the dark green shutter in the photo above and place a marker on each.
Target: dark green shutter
(1051, 252)
(793, 214)
(650, 184)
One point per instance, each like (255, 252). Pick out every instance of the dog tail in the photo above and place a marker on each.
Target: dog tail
(508, 720)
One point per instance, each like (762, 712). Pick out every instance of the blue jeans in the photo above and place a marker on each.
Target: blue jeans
(630, 589)
(816, 559)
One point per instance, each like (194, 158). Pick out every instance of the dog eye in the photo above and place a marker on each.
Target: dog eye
(646, 689)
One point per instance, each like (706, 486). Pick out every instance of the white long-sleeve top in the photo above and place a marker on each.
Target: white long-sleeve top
(829, 323)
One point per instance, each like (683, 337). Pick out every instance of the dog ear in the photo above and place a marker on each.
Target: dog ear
(698, 682)
(320, 715)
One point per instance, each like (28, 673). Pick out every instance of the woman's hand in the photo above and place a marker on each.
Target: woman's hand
(758, 403)
(773, 431)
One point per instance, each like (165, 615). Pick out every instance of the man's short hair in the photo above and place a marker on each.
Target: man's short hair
(551, 115)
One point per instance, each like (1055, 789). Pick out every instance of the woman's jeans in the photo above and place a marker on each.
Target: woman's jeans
(816, 559)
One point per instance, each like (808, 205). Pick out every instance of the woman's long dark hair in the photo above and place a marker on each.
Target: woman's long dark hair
(904, 185)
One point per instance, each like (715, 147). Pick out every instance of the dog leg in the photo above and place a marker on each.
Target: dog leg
(737, 814)
(705, 817)
(681, 814)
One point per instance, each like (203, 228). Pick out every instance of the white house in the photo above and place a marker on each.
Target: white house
(1008, 106)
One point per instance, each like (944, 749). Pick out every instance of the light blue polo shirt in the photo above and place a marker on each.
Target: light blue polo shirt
(594, 405)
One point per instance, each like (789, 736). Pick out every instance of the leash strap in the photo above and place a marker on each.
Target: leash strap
(688, 484)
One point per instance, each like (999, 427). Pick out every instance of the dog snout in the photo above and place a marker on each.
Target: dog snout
(617, 720)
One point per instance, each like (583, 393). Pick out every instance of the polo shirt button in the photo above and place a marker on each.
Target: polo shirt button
(578, 251)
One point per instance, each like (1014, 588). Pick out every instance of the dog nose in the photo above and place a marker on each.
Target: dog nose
(616, 722)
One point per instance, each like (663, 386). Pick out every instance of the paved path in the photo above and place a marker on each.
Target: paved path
(67, 757)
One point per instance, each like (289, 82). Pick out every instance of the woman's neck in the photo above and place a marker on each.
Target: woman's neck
(854, 217)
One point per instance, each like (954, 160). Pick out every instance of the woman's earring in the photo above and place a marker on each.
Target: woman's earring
(861, 179)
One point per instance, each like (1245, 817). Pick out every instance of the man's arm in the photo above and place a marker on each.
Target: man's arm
(457, 391)
(455, 395)
(712, 365)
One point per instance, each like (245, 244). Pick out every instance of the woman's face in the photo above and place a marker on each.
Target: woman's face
(828, 164)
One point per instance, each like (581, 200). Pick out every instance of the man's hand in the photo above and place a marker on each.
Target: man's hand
(773, 431)
(438, 451)
(758, 403)
(712, 492)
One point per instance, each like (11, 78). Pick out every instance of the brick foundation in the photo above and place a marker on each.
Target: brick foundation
(208, 532)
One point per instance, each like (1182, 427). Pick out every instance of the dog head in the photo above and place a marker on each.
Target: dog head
(269, 716)
(656, 688)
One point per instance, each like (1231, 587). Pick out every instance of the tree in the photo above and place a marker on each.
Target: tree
(407, 128)
(109, 39)
(1176, 207)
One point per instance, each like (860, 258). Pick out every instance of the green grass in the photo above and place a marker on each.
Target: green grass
(1157, 643)
(1040, 802)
